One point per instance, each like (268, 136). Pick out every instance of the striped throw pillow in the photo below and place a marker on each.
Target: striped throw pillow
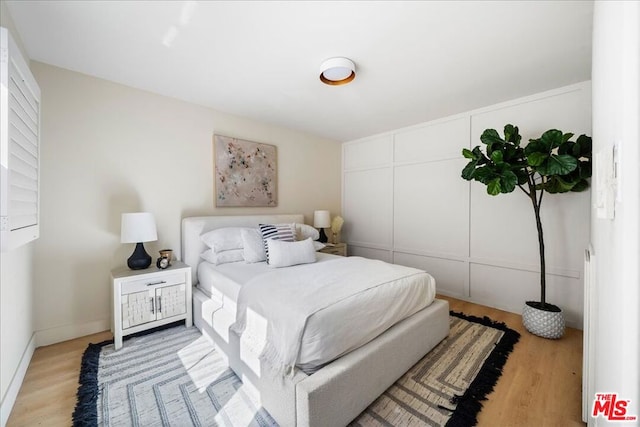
(284, 232)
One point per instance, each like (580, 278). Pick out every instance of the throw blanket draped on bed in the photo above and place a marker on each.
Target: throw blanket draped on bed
(280, 302)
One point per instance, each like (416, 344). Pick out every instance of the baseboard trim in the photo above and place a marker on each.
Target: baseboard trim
(69, 332)
(16, 382)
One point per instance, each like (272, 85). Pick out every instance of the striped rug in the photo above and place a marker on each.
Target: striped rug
(174, 377)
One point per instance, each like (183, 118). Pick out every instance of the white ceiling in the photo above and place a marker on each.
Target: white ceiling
(416, 61)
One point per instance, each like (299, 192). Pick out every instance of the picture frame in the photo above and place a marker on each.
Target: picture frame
(245, 173)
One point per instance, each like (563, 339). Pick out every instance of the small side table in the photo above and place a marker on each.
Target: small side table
(145, 299)
(335, 249)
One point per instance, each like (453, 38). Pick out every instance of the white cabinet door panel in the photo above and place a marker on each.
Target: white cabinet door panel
(371, 153)
(439, 141)
(450, 275)
(431, 208)
(367, 207)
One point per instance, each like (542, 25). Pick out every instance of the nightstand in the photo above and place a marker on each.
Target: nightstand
(145, 299)
(335, 249)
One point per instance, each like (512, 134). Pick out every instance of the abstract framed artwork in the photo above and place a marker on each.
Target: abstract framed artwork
(245, 173)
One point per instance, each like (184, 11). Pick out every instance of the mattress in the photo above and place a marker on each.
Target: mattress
(336, 330)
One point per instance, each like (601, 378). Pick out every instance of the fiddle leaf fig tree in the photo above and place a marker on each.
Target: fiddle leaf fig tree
(552, 163)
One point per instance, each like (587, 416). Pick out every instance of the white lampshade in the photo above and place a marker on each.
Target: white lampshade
(138, 227)
(321, 219)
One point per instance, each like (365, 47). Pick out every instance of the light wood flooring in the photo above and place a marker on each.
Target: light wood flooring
(540, 384)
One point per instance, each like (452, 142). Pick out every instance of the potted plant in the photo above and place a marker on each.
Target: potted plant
(550, 164)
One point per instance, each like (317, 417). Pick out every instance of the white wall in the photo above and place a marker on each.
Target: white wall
(16, 285)
(616, 242)
(109, 149)
(405, 202)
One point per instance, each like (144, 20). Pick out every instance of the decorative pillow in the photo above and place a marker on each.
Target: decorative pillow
(286, 254)
(224, 257)
(285, 232)
(253, 245)
(223, 239)
(304, 231)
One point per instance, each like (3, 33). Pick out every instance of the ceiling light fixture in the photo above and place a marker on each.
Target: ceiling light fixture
(337, 71)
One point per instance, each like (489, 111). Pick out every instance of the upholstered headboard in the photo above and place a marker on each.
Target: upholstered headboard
(193, 227)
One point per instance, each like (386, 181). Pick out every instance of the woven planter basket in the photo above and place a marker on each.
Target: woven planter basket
(545, 324)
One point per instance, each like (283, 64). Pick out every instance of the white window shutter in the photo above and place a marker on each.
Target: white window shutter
(19, 148)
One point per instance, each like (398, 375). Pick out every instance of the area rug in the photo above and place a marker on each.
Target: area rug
(174, 377)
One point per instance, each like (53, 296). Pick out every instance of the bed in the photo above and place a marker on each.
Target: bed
(315, 392)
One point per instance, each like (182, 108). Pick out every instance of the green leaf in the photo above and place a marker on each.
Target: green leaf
(511, 134)
(581, 185)
(535, 146)
(567, 148)
(485, 174)
(490, 136)
(585, 146)
(496, 156)
(551, 139)
(561, 164)
(469, 170)
(566, 137)
(522, 175)
(493, 187)
(536, 158)
(468, 154)
(508, 182)
(558, 185)
(585, 169)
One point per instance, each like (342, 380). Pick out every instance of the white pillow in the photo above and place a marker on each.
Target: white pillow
(304, 231)
(224, 257)
(253, 245)
(285, 232)
(223, 239)
(286, 254)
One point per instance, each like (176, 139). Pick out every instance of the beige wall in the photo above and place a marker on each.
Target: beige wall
(16, 283)
(109, 149)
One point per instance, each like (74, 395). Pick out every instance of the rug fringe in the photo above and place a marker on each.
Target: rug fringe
(86, 412)
(470, 403)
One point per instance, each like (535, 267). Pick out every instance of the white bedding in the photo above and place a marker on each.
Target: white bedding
(341, 326)
(225, 280)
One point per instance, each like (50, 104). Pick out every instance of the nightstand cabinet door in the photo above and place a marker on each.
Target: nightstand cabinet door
(138, 308)
(171, 301)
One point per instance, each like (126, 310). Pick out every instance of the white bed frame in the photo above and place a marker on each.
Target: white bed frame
(335, 394)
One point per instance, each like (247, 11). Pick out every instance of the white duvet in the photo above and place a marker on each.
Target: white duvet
(280, 313)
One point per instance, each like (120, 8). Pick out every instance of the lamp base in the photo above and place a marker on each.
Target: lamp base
(323, 237)
(139, 259)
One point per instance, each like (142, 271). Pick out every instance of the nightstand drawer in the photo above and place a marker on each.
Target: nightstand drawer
(333, 251)
(336, 249)
(140, 285)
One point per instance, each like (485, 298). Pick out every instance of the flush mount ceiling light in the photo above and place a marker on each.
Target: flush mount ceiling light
(337, 71)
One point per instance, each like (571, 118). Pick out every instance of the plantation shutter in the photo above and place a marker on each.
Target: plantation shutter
(19, 148)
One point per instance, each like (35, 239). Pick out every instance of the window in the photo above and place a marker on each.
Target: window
(19, 148)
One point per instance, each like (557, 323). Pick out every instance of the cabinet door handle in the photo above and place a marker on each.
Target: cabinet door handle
(152, 306)
(161, 282)
(159, 304)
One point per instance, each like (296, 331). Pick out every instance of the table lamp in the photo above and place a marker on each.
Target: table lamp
(137, 228)
(322, 220)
